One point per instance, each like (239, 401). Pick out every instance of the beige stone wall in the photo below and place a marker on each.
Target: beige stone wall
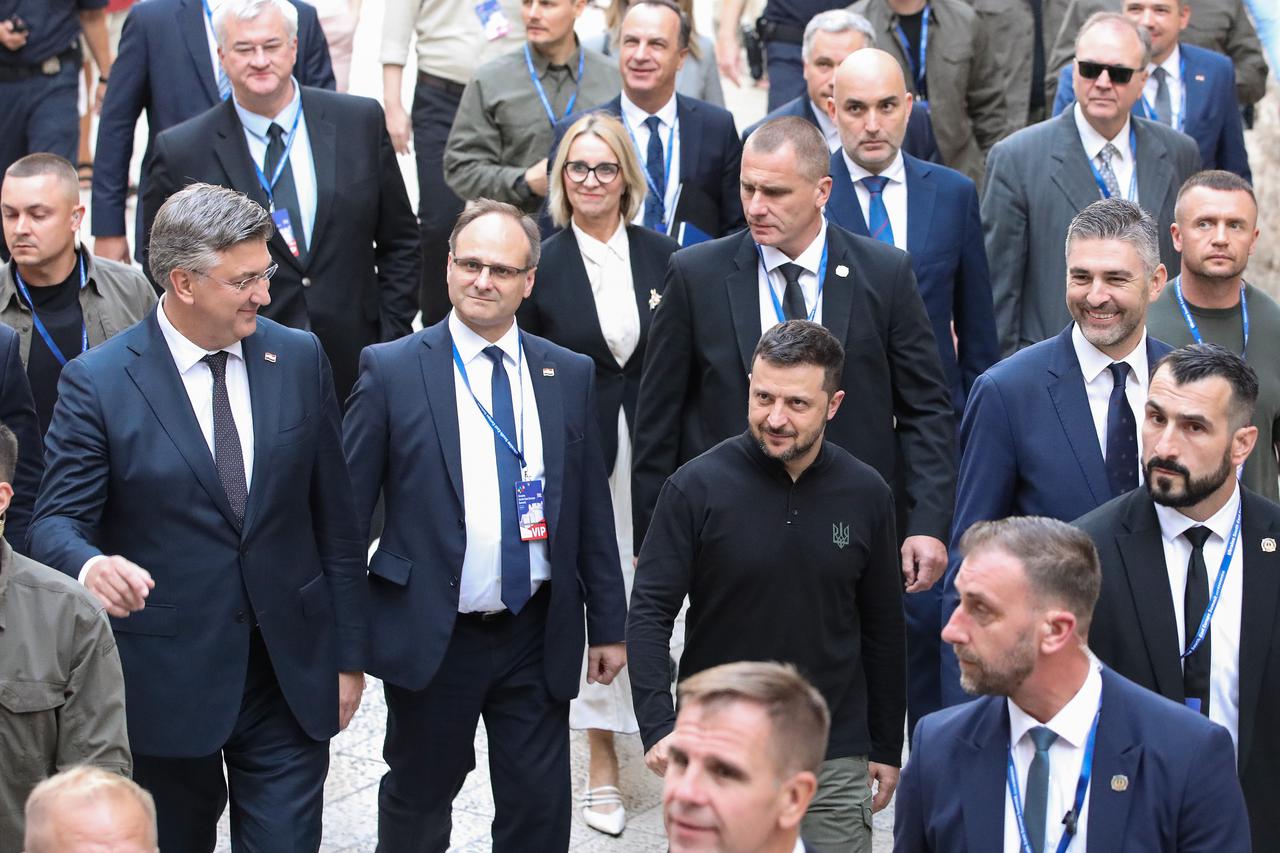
(1264, 160)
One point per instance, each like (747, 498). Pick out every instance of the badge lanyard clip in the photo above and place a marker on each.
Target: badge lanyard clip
(817, 300)
(1082, 786)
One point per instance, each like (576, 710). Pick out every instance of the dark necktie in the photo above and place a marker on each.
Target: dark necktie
(1122, 435)
(793, 297)
(285, 194)
(1036, 802)
(228, 458)
(655, 202)
(515, 553)
(1164, 105)
(1195, 601)
(1037, 56)
(879, 226)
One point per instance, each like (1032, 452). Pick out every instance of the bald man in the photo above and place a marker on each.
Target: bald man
(88, 810)
(931, 212)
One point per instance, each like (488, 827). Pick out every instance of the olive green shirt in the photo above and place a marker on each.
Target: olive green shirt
(502, 128)
(61, 687)
(1224, 326)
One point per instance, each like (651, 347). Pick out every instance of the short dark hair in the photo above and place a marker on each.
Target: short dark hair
(9, 456)
(1204, 361)
(801, 342)
(483, 207)
(812, 155)
(1060, 561)
(44, 163)
(1215, 179)
(686, 27)
(1119, 219)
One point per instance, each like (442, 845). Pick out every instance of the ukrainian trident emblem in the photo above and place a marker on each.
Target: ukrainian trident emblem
(840, 535)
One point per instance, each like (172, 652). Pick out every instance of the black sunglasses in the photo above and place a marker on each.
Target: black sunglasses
(1093, 70)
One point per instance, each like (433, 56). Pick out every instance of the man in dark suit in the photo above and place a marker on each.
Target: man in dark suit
(239, 608)
(829, 38)
(1188, 88)
(930, 212)
(1190, 574)
(997, 773)
(346, 239)
(1046, 430)
(720, 297)
(477, 606)
(1039, 178)
(167, 66)
(18, 412)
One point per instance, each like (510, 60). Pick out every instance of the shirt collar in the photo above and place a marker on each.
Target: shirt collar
(470, 345)
(809, 259)
(598, 252)
(1093, 360)
(799, 848)
(542, 64)
(1073, 720)
(1172, 64)
(1173, 523)
(187, 354)
(635, 116)
(825, 124)
(1094, 142)
(896, 172)
(259, 125)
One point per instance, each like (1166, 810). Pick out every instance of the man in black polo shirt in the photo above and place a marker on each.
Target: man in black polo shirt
(786, 548)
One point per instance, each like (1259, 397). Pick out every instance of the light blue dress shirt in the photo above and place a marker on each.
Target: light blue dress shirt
(300, 159)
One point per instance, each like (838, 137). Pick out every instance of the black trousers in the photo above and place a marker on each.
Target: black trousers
(492, 670)
(438, 207)
(275, 772)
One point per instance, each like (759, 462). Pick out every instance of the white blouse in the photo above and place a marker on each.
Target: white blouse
(609, 272)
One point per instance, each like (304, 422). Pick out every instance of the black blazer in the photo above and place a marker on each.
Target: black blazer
(562, 310)
(897, 414)
(1134, 631)
(358, 283)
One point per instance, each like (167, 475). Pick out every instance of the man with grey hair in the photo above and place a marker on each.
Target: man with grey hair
(1052, 430)
(86, 809)
(1043, 175)
(346, 239)
(829, 37)
(239, 609)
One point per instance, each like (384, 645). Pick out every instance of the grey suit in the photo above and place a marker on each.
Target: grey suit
(1218, 25)
(1037, 181)
(1010, 28)
(966, 89)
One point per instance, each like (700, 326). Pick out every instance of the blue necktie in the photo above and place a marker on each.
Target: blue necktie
(1036, 802)
(655, 202)
(515, 554)
(1122, 435)
(879, 226)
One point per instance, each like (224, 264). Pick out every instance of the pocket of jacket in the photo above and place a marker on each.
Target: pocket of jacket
(156, 620)
(315, 596)
(390, 567)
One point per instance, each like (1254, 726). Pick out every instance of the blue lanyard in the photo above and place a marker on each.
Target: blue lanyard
(1203, 630)
(268, 187)
(497, 430)
(1082, 786)
(917, 65)
(666, 165)
(1133, 176)
(40, 327)
(1149, 111)
(542, 93)
(777, 306)
(1191, 321)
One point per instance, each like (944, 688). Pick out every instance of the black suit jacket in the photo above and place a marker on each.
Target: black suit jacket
(18, 413)
(562, 309)
(897, 414)
(358, 282)
(1134, 631)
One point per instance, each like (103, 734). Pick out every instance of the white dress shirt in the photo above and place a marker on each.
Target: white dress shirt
(1066, 756)
(1173, 80)
(828, 127)
(301, 163)
(1122, 163)
(609, 272)
(1098, 382)
(809, 260)
(1224, 630)
(480, 589)
(634, 118)
(894, 195)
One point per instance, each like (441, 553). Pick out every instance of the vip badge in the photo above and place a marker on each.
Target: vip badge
(840, 535)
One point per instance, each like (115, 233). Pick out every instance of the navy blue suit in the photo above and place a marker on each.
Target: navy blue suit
(123, 437)
(18, 413)
(163, 67)
(919, 141)
(1213, 116)
(1180, 793)
(402, 440)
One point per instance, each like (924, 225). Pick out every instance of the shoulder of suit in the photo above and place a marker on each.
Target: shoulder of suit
(1168, 137)
(1033, 138)
(1260, 505)
(1154, 712)
(1029, 363)
(871, 249)
(1209, 59)
(554, 352)
(652, 240)
(944, 176)
(705, 110)
(715, 254)
(945, 726)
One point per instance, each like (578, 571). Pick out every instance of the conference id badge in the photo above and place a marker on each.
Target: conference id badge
(529, 510)
(285, 227)
(493, 19)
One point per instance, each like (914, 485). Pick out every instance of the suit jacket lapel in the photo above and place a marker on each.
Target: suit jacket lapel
(546, 390)
(690, 138)
(580, 302)
(837, 290)
(644, 269)
(920, 195)
(843, 208)
(743, 290)
(1066, 389)
(1155, 175)
(1116, 752)
(1142, 556)
(435, 360)
(1197, 90)
(1070, 167)
(1258, 615)
(265, 381)
(323, 134)
(194, 34)
(983, 784)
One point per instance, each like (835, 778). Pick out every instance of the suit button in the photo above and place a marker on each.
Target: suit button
(462, 525)
(306, 281)
(241, 618)
(453, 580)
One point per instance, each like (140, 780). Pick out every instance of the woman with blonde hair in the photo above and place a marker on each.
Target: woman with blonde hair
(698, 77)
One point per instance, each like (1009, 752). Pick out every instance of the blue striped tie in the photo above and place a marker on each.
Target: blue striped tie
(879, 226)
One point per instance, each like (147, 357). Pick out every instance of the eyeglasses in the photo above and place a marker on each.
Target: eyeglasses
(1093, 70)
(472, 268)
(248, 281)
(578, 171)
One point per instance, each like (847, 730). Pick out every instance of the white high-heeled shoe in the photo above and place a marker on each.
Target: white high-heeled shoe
(610, 823)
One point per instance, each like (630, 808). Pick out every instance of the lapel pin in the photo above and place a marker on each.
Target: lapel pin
(1199, 78)
(842, 271)
(548, 371)
(1268, 545)
(655, 298)
(1119, 782)
(269, 357)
